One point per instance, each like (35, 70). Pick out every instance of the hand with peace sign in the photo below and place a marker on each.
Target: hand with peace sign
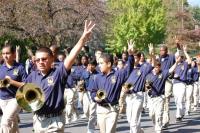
(151, 49)
(131, 45)
(89, 25)
(184, 48)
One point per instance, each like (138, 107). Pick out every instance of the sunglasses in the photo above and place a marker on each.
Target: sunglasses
(40, 59)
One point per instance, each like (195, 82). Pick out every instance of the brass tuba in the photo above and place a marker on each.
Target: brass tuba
(101, 94)
(30, 97)
(4, 83)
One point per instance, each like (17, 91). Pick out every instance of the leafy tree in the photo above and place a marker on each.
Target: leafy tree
(141, 20)
(196, 13)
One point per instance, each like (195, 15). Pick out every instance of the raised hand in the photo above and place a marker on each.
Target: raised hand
(17, 48)
(184, 48)
(131, 45)
(89, 25)
(151, 48)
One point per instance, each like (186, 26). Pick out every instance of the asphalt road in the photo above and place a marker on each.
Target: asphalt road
(190, 124)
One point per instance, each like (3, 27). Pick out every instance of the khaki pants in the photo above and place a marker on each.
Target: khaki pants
(168, 93)
(179, 93)
(122, 102)
(70, 111)
(196, 94)
(156, 112)
(189, 91)
(89, 109)
(133, 111)
(48, 125)
(107, 118)
(9, 121)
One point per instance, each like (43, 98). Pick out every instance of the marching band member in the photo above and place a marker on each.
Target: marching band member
(13, 73)
(106, 88)
(155, 85)
(166, 60)
(179, 82)
(50, 117)
(89, 107)
(135, 97)
(196, 84)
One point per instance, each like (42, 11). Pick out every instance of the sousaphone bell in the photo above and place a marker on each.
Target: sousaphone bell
(30, 97)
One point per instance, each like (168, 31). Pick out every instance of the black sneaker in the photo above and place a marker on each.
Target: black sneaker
(143, 111)
(164, 126)
(179, 119)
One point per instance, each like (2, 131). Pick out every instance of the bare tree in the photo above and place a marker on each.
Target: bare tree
(48, 22)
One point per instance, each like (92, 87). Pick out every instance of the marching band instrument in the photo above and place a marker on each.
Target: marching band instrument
(128, 86)
(80, 86)
(30, 97)
(4, 83)
(101, 94)
(148, 87)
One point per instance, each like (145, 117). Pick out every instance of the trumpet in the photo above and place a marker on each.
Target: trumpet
(4, 83)
(30, 97)
(148, 87)
(80, 86)
(128, 86)
(101, 94)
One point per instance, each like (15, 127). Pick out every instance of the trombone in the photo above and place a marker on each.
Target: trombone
(30, 97)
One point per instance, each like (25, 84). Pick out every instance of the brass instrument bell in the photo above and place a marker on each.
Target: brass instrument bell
(30, 97)
(4, 83)
(101, 94)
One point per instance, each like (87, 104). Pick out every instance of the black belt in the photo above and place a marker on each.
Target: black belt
(108, 104)
(50, 115)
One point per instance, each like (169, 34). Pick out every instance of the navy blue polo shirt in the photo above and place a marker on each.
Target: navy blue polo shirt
(158, 82)
(167, 61)
(181, 72)
(189, 76)
(195, 73)
(86, 77)
(137, 77)
(18, 73)
(73, 77)
(80, 70)
(111, 83)
(52, 86)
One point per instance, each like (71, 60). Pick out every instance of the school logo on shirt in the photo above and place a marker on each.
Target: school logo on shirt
(182, 67)
(138, 73)
(160, 76)
(50, 81)
(15, 72)
(163, 59)
(113, 79)
(72, 70)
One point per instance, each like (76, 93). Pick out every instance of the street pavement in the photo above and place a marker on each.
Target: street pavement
(190, 124)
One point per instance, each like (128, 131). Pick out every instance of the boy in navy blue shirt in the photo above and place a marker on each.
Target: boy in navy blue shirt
(110, 82)
(135, 97)
(179, 82)
(156, 83)
(50, 117)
